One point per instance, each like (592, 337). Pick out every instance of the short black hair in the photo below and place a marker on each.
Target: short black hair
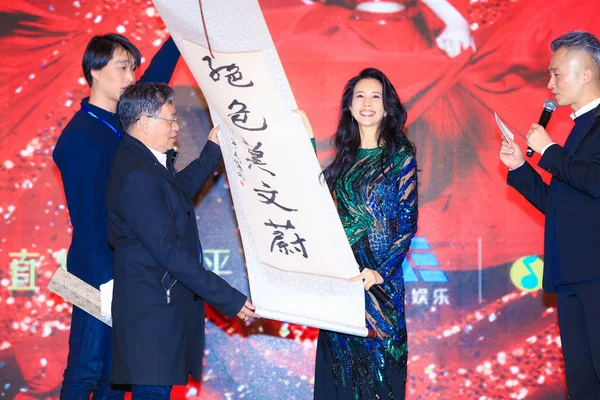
(579, 40)
(142, 99)
(100, 51)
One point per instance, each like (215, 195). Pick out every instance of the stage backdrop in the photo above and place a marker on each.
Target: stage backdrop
(479, 325)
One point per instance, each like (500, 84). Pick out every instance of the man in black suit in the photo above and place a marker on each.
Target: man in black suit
(83, 154)
(160, 284)
(571, 204)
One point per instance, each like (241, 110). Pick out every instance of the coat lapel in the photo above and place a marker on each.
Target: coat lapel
(591, 131)
(168, 174)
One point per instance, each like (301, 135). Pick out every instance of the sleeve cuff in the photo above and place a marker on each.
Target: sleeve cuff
(517, 167)
(213, 149)
(546, 148)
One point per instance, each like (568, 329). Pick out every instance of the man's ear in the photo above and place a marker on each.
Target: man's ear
(143, 121)
(588, 75)
(95, 73)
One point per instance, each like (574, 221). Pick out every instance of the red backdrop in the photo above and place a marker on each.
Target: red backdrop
(475, 330)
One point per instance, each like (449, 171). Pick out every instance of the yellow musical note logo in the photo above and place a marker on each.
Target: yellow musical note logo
(526, 273)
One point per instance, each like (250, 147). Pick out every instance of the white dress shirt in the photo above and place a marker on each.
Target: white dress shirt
(161, 157)
(588, 107)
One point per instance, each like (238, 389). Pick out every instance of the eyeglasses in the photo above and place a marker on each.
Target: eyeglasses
(171, 120)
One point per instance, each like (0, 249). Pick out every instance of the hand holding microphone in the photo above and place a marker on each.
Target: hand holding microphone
(537, 135)
(371, 282)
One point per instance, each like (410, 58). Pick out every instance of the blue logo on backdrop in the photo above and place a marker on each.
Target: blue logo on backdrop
(420, 260)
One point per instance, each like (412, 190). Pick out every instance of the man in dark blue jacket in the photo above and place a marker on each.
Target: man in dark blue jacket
(571, 204)
(83, 154)
(160, 284)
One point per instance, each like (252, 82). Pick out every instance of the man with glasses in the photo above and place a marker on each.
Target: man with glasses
(83, 154)
(160, 284)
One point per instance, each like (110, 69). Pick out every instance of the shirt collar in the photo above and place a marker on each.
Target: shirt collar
(99, 112)
(161, 157)
(588, 107)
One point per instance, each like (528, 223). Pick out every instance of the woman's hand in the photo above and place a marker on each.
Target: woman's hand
(455, 38)
(457, 35)
(369, 277)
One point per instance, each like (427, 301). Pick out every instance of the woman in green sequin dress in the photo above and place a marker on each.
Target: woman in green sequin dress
(373, 180)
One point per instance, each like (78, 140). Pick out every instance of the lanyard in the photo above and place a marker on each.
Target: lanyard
(105, 122)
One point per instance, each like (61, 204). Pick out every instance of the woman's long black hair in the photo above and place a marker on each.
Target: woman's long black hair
(347, 136)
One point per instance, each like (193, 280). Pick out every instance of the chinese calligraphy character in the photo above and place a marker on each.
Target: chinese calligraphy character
(299, 245)
(269, 197)
(237, 161)
(440, 296)
(282, 245)
(216, 263)
(241, 116)
(419, 296)
(288, 225)
(23, 270)
(233, 73)
(256, 157)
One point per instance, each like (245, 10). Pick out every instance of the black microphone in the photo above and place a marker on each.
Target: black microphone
(549, 107)
(385, 300)
(382, 297)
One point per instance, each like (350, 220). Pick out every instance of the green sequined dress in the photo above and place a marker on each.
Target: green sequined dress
(377, 204)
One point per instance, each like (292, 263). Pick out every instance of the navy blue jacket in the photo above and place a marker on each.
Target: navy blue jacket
(571, 204)
(160, 282)
(83, 154)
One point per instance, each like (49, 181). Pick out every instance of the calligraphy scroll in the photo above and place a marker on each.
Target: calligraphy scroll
(77, 292)
(297, 254)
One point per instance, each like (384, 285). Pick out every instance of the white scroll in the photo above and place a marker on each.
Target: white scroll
(78, 293)
(297, 254)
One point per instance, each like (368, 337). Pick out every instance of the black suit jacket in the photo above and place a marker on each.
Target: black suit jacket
(571, 204)
(83, 154)
(160, 283)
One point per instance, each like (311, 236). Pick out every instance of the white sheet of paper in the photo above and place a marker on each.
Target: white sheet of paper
(505, 131)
